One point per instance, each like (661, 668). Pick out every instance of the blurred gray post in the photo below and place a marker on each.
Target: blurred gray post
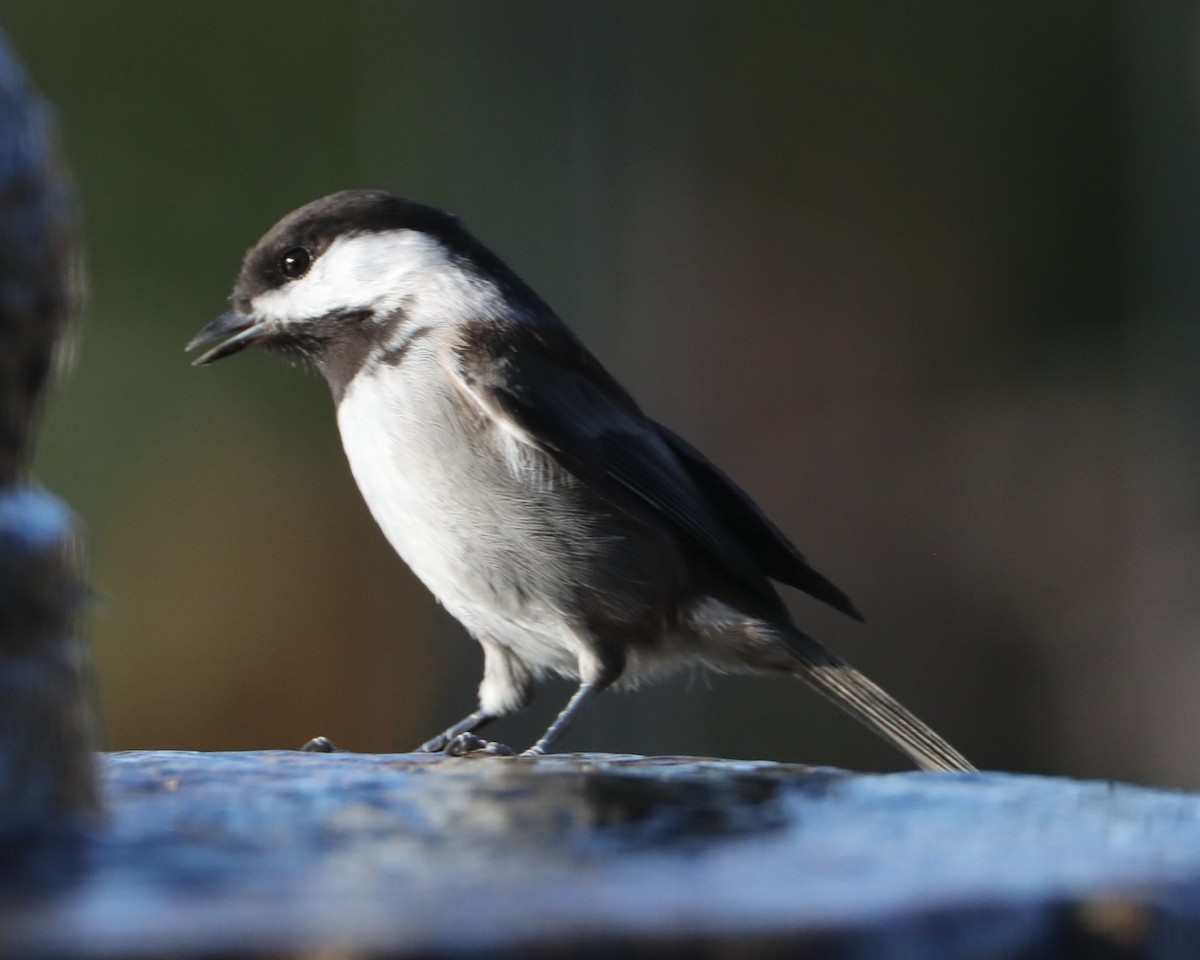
(47, 764)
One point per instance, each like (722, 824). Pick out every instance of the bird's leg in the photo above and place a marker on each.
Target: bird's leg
(575, 706)
(598, 670)
(469, 724)
(507, 687)
(582, 697)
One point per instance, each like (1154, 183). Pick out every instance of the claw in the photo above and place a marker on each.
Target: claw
(469, 745)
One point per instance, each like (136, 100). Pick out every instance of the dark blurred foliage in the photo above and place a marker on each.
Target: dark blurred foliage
(922, 277)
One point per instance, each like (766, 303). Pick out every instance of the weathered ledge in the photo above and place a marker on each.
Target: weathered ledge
(404, 855)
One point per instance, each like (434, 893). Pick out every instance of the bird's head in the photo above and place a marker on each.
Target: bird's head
(339, 279)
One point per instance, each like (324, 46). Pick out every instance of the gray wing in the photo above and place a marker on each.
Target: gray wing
(543, 385)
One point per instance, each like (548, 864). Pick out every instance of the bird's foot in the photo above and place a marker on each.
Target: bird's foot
(320, 745)
(535, 751)
(469, 745)
(436, 745)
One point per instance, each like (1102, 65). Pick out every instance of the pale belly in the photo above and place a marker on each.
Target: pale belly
(485, 526)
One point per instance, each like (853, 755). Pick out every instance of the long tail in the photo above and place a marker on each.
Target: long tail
(872, 705)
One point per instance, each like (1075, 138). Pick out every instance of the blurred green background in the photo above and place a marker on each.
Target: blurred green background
(922, 277)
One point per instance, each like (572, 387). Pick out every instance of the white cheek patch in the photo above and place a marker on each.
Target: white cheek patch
(370, 271)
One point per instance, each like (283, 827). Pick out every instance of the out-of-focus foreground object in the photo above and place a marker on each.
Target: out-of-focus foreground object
(48, 784)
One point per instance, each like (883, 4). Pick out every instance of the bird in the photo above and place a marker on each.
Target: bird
(566, 530)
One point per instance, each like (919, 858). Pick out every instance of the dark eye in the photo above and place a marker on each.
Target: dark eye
(295, 263)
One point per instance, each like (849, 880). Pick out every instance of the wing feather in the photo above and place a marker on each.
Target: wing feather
(542, 386)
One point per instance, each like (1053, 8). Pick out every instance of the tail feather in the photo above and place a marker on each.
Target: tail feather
(873, 706)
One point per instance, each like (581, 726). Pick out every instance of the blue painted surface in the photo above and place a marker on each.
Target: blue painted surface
(281, 849)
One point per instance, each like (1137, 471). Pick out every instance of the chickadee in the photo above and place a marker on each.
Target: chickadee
(566, 530)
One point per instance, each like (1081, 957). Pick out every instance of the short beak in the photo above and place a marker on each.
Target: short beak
(246, 329)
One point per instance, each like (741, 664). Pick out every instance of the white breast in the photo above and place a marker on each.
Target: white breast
(392, 422)
(422, 464)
